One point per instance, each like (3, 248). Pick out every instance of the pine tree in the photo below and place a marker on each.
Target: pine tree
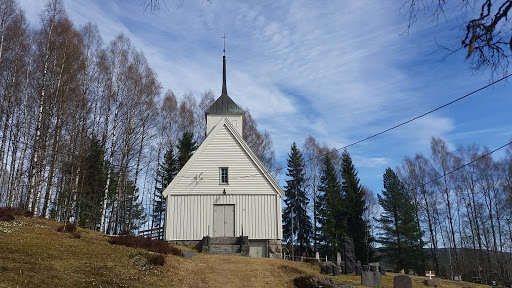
(400, 235)
(165, 174)
(186, 148)
(355, 207)
(330, 210)
(296, 203)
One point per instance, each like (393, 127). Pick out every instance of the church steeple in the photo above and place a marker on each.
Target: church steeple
(224, 89)
(224, 106)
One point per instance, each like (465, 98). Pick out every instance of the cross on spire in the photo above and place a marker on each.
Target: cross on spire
(224, 37)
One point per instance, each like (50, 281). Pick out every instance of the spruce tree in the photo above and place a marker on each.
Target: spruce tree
(296, 203)
(355, 207)
(400, 236)
(90, 196)
(186, 148)
(165, 174)
(330, 210)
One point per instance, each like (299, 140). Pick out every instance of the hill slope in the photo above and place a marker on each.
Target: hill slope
(34, 254)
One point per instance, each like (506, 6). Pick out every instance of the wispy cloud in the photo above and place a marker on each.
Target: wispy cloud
(337, 70)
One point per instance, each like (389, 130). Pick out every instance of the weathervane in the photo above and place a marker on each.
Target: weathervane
(224, 37)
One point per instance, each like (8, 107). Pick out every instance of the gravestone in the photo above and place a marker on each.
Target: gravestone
(328, 268)
(359, 268)
(335, 270)
(317, 256)
(371, 279)
(322, 269)
(377, 280)
(434, 282)
(338, 259)
(349, 255)
(402, 281)
(382, 270)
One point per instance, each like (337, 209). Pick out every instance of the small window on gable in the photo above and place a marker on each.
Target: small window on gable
(224, 175)
(234, 123)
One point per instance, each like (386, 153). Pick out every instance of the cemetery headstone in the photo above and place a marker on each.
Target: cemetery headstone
(382, 270)
(434, 282)
(335, 270)
(317, 256)
(377, 280)
(328, 268)
(349, 255)
(371, 279)
(402, 281)
(359, 268)
(322, 269)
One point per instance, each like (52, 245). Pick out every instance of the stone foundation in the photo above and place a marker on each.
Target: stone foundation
(274, 249)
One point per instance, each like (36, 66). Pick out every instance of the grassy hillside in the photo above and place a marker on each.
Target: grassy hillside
(34, 254)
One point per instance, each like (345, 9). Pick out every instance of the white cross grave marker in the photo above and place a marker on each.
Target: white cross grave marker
(430, 274)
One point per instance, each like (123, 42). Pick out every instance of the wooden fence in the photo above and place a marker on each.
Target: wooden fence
(155, 233)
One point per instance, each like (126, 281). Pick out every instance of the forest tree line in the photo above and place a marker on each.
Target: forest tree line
(450, 211)
(84, 125)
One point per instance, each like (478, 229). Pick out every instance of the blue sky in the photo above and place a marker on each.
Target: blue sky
(337, 70)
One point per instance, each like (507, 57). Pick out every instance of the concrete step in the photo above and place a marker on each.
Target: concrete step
(224, 241)
(224, 249)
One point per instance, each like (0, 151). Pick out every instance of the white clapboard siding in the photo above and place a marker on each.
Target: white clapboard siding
(212, 121)
(203, 176)
(190, 217)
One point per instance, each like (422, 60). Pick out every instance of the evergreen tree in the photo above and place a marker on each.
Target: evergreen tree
(296, 203)
(400, 235)
(132, 216)
(186, 148)
(330, 210)
(92, 182)
(355, 207)
(165, 174)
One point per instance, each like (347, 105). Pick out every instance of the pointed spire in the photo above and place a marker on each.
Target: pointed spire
(224, 89)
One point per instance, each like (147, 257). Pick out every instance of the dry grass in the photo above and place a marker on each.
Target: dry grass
(38, 256)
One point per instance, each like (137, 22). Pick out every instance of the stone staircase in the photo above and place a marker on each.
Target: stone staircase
(226, 245)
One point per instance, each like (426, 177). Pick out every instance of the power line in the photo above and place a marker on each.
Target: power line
(389, 129)
(406, 122)
(460, 167)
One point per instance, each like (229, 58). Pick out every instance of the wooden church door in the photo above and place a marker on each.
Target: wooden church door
(223, 220)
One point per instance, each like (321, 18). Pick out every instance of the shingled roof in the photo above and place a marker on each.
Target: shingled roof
(224, 105)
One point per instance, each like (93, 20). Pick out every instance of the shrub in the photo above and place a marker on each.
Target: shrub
(6, 217)
(8, 213)
(69, 228)
(157, 259)
(158, 246)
